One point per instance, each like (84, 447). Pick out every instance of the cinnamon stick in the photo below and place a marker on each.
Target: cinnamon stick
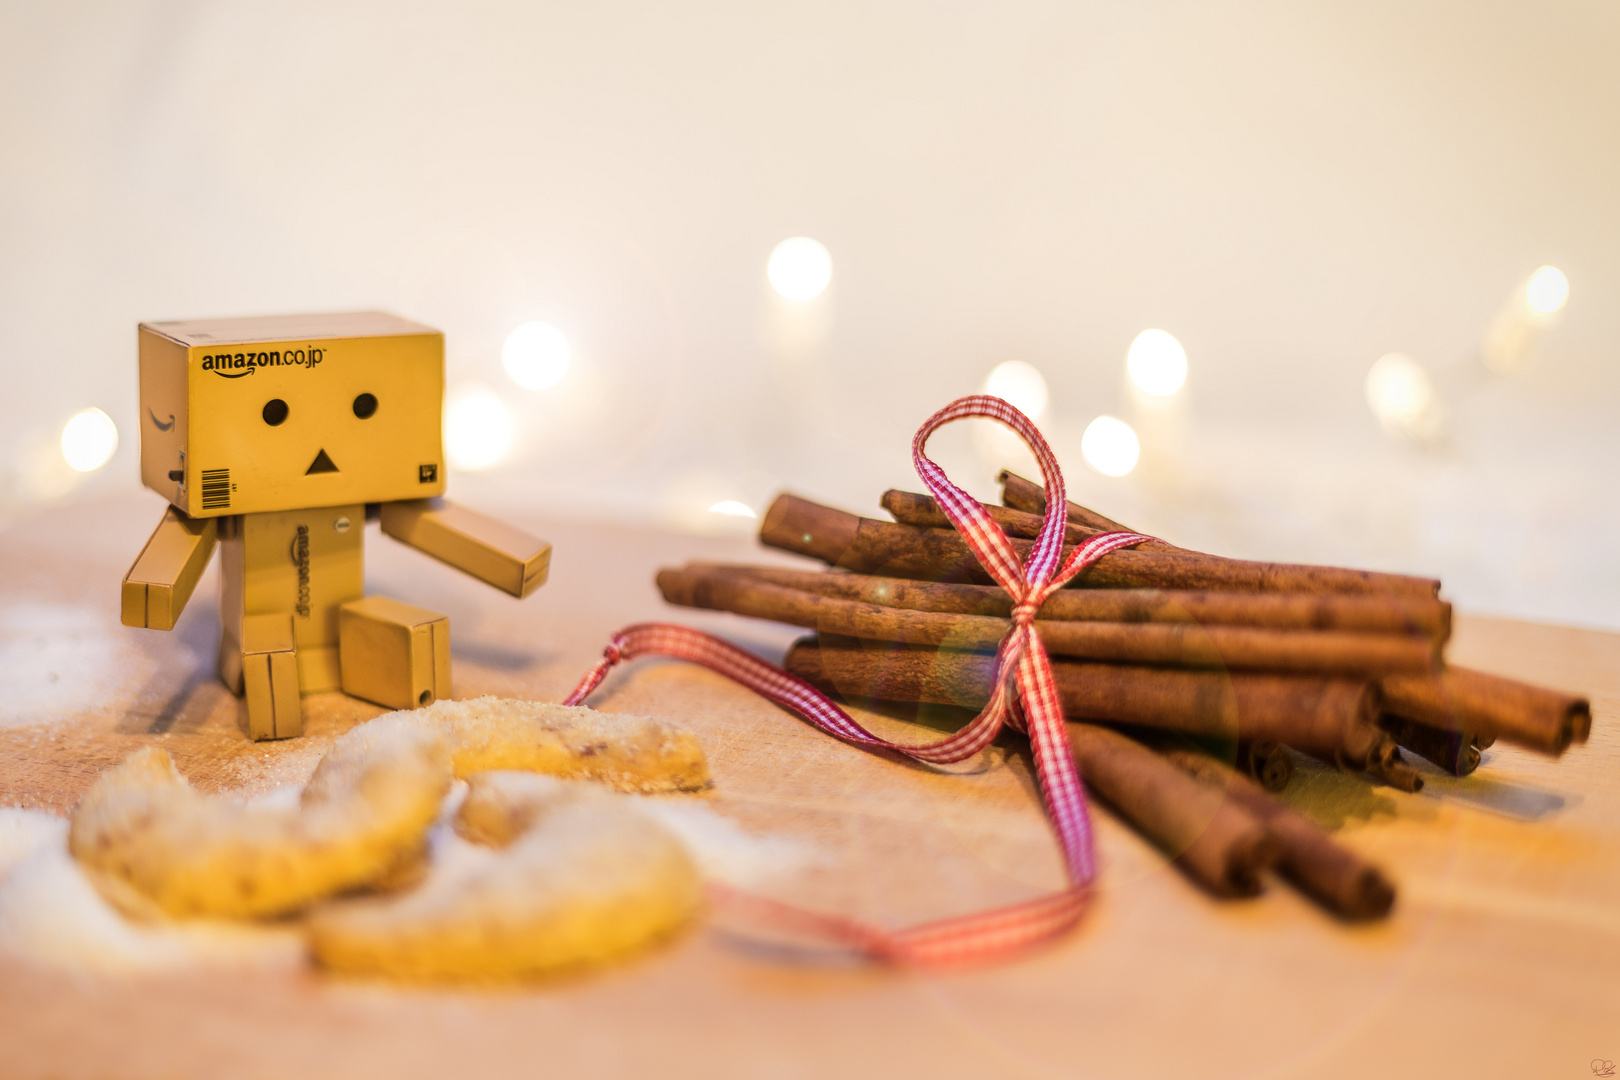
(1218, 842)
(1386, 764)
(1342, 880)
(1329, 718)
(1453, 751)
(1178, 644)
(1490, 707)
(1425, 616)
(1030, 497)
(910, 508)
(850, 668)
(1268, 764)
(869, 546)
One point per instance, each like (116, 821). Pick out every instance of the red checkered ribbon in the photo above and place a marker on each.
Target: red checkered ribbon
(1024, 696)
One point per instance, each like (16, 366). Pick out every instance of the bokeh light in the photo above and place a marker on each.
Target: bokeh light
(89, 439)
(477, 428)
(1548, 290)
(536, 355)
(800, 268)
(1020, 385)
(1110, 446)
(733, 508)
(1402, 396)
(1157, 363)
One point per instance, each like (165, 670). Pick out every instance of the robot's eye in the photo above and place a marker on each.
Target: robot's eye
(365, 405)
(275, 411)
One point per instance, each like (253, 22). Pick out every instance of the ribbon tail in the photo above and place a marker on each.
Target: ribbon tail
(593, 678)
(1024, 694)
(1060, 783)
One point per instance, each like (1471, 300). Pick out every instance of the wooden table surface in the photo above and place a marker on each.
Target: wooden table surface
(1502, 957)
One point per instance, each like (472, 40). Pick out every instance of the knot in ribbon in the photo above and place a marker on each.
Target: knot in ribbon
(1023, 612)
(1023, 672)
(1024, 696)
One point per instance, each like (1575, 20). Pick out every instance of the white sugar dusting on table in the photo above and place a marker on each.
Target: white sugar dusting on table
(51, 915)
(724, 850)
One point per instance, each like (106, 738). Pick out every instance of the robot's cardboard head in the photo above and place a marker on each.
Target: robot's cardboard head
(285, 413)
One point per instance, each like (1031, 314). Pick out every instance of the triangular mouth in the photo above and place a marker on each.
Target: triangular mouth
(322, 463)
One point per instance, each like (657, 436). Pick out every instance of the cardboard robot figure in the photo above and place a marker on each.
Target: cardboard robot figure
(276, 439)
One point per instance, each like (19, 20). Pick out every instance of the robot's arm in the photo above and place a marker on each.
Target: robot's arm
(489, 550)
(159, 584)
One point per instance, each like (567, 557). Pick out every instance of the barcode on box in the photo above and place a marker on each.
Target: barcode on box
(216, 489)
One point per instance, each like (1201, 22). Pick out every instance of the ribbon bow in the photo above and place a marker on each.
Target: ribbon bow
(1024, 696)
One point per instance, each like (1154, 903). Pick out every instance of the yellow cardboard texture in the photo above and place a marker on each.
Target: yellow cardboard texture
(244, 416)
(394, 654)
(164, 417)
(270, 678)
(165, 573)
(305, 564)
(271, 436)
(490, 550)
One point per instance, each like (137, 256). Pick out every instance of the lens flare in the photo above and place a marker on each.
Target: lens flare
(733, 508)
(1157, 363)
(1020, 385)
(536, 355)
(478, 429)
(800, 268)
(89, 439)
(1402, 395)
(1548, 290)
(1399, 391)
(1110, 446)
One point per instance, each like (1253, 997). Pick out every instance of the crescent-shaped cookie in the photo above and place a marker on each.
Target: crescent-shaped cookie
(581, 876)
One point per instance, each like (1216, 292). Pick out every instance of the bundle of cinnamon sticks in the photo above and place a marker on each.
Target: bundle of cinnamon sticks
(1217, 668)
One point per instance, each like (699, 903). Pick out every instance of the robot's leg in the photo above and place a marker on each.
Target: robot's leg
(393, 653)
(263, 669)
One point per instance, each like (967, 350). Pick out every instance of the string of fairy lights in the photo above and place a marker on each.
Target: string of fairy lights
(1412, 400)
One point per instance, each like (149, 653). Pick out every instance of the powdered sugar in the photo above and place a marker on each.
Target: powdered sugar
(723, 849)
(52, 915)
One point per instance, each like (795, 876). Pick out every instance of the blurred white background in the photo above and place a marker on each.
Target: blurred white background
(1292, 190)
